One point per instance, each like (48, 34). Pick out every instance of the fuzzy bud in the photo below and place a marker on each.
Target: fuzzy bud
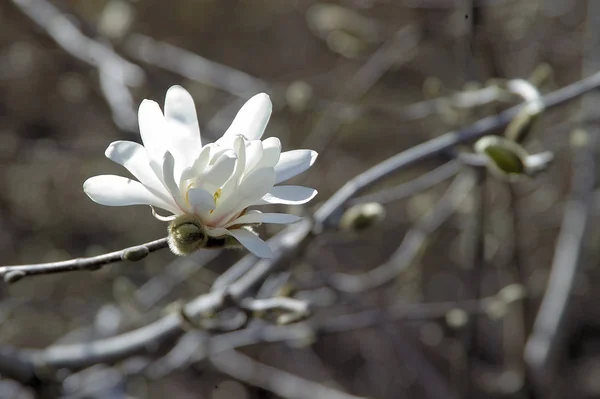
(188, 234)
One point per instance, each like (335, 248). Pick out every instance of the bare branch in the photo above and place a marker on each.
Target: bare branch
(193, 66)
(412, 187)
(116, 73)
(395, 50)
(413, 243)
(135, 253)
(555, 317)
(282, 383)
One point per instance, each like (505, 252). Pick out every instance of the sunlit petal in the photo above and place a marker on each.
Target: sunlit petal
(114, 190)
(251, 120)
(289, 195)
(292, 163)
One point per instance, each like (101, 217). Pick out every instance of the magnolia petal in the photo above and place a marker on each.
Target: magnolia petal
(199, 164)
(221, 170)
(201, 201)
(231, 185)
(169, 179)
(254, 153)
(252, 243)
(288, 195)
(182, 123)
(180, 107)
(292, 163)
(216, 231)
(134, 158)
(111, 190)
(153, 132)
(259, 217)
(251, 120)
(251, 189)
(271, 153)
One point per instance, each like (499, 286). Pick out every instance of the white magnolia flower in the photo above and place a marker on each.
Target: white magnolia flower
(214, 183)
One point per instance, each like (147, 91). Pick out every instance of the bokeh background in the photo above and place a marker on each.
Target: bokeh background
(352, 79)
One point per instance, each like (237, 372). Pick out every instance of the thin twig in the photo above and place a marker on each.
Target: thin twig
(282, 383)
(116, 73)
(134, 253)
(193, 66)
(411, 246)
(476, 265)
(412, 187)
(396, 49)
(555, 317)
(197, 344)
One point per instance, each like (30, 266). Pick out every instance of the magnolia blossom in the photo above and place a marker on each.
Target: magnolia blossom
(215, 182)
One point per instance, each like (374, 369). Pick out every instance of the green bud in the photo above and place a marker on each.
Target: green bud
(362, 216)
(506, 158)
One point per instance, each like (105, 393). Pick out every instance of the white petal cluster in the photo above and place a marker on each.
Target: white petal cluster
(216, 182)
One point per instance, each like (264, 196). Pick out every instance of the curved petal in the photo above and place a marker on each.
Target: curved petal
(250, 190)
(182, 123)
(252, 242)
(199, 164)
(134, 157)
(289, 195)
(254, 153)
(292, 163)
(271, 153)
(251, 120)
(168, 169)
(114, 190)
(201, 201)
(259, 217)
(221, 170)
(153, 132)
(239, 146)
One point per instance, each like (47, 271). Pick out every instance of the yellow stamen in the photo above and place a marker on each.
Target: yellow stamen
(216, 196)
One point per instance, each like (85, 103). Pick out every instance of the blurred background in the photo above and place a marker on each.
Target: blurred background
(358, 81)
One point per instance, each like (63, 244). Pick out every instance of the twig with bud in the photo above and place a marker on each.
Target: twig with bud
(412, 244)
(12, 274)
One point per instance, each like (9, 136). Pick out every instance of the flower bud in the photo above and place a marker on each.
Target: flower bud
(362, 216)
(298, 95)
(457, 318)
(136, 253)
(186, 235)
(506, 158)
